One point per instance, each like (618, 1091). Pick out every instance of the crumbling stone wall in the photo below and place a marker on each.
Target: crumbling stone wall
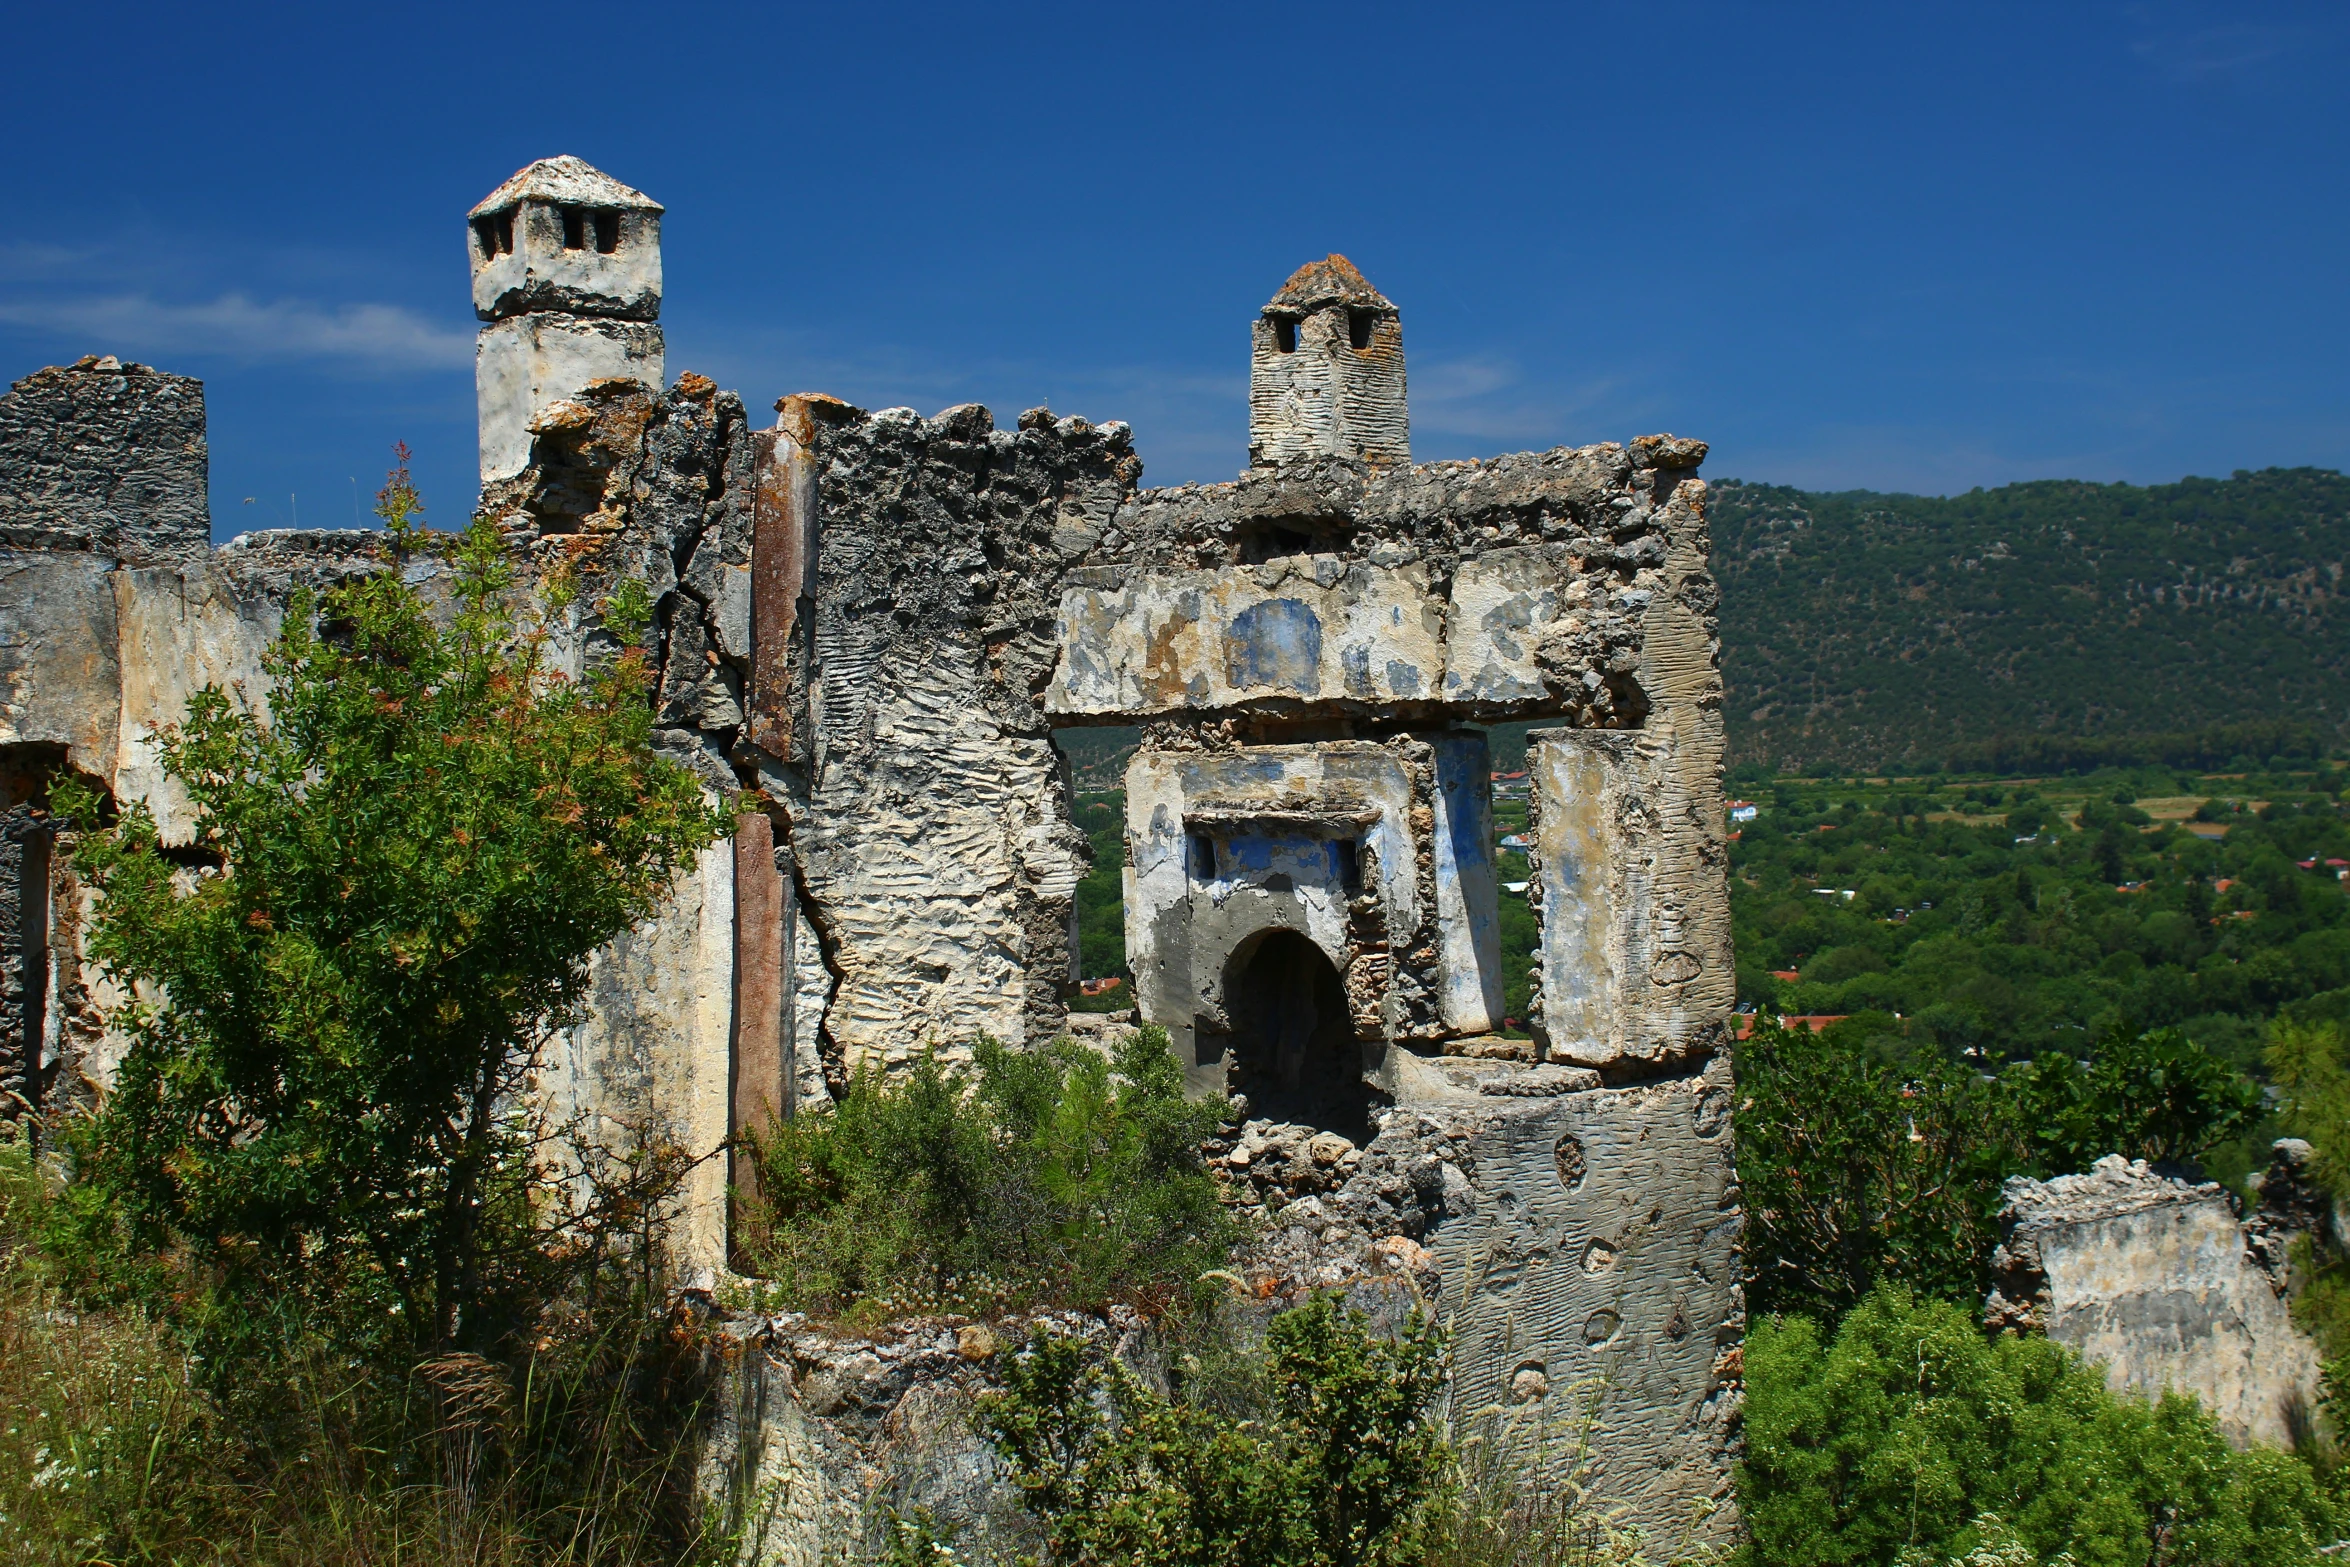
(867, 627)
(106, 457)
(2157, 1279)
(928, 809)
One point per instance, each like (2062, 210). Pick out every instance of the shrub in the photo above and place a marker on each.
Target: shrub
(2153, 1095)
(1042, 1176)
(118, 1445)
(414, 853)
(1855, 1169)
(1907, 1438)
(2310, 1063)
(1338, 1472)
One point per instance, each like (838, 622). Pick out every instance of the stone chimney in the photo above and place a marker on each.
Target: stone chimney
(1326, 371)
(567, 276)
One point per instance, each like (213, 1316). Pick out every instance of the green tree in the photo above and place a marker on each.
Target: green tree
(1856, 1169)
(2153, 1095)
(407, 860)
(1908, 1438)
(2310, 1063)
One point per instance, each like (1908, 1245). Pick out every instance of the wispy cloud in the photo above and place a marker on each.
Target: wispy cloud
(1494, 404)
(2188, 41)
(372, 337)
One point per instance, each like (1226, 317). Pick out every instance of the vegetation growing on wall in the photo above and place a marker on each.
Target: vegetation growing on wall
(1040, 1177)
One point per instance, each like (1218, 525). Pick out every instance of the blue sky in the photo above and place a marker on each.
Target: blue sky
(1917, 247)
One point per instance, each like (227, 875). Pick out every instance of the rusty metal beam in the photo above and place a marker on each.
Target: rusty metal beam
(761, 1087)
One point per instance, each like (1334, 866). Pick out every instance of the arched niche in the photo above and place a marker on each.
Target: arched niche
(1292, 1049)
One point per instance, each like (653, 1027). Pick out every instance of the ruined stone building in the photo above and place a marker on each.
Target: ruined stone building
(874, 623)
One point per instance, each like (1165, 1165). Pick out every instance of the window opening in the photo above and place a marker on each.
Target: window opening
(1360, 324)
(485, 230)
(1203, 856)
(1274, 542)
(607, 232)
(574, 229)
(1285, 334)
(1346, 856)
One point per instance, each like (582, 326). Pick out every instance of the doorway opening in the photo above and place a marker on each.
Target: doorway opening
(1293, 1046)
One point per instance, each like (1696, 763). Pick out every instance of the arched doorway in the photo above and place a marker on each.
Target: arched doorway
(1294, 1051)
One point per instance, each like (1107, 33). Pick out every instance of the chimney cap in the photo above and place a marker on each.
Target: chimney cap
(564, 181)
(1330, 281)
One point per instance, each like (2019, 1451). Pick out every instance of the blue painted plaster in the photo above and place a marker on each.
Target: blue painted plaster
(1277, 643)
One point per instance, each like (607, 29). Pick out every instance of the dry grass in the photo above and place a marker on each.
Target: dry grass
(113, 1451)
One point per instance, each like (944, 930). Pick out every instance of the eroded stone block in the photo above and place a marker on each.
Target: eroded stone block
(1591, 1274)
(1629, 879)
(2151, 1277)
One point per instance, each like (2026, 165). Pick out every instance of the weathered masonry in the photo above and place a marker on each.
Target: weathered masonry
(873, 623)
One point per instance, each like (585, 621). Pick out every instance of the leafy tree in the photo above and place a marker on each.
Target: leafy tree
(2144, 1095)
(1907, 1438)
(1337, 1474)
(405, 864)
(1862, 1162)
(1856, 1169)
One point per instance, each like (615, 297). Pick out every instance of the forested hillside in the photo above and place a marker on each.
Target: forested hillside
(1869, 630)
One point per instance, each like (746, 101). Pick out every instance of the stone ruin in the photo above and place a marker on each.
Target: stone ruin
(2161, 1281)
(874, 623)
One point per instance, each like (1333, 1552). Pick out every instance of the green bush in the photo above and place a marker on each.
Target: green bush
(414, 851)
(1861, 1164)
(1856, 1169)
(2153, 1095)
(1339, 1471)
(1042, 1176)
(1908, 1439)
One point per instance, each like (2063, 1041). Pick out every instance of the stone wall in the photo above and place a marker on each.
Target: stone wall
(104, 457)
(2157, 1279)
(928, 809)
(867, 627)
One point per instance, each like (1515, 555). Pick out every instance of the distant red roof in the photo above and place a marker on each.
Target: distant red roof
(1814, 1021)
